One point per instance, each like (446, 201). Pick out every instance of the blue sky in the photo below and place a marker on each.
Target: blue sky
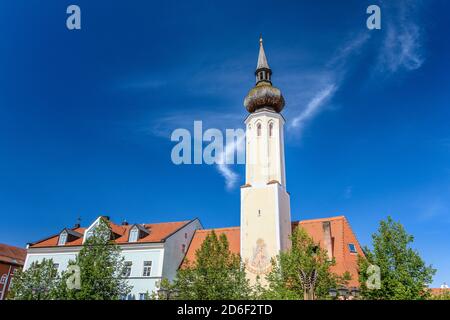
(86, 115)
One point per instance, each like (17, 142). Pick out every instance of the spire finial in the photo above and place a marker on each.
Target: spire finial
(260, 39)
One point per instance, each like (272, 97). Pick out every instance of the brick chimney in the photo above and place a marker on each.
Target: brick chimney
(327, 239)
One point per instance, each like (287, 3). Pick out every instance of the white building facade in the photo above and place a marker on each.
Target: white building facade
(156, 252)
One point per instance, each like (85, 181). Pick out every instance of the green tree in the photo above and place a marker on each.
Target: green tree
(285, 280)
(165, 290)
(445, 295)
(101, 268)
(39, 282)
(403, 273)
(216, 273)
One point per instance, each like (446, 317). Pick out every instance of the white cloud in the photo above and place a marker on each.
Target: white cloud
(230, 176)
(231, 148)
(329, 82)
(348, 192)
(164, 126)
(402, 46)
(313, 107)
(350, 47)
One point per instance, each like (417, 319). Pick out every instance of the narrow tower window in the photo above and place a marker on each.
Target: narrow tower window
(258, 129)
(270, 129)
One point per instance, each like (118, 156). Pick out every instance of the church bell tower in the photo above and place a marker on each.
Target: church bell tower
(265, 203)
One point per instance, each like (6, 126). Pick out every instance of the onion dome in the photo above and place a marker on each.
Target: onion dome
(263, 94)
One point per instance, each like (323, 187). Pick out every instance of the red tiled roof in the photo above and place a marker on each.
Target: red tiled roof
(12, 255)
(341, 234)
(233, 236)
(53, 240)
(157, 233)
(439, 291)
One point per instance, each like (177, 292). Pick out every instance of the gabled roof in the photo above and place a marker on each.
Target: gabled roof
(52, 241)
(159, 232)
(341, 234)
(12, 255)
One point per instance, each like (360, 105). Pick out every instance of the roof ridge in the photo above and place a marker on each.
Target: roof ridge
(341, 217)
(182, 221)
(211, 229)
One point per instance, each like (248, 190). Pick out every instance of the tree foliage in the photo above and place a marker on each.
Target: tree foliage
(403, 273)
(101, 269)
(39, 282)
(285, 282)
(216, 273)
(444, 295)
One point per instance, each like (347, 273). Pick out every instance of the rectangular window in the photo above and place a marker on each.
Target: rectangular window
(352, 248)
(183, 248)
(127, 270)
(147, 269)
(142, 296)
(3, 279)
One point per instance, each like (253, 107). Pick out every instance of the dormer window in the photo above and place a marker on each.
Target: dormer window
(137, 232)
(134, 234)
(62, 238)
(68, 235)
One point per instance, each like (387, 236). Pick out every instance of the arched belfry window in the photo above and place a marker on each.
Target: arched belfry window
(271, 129)
(258, 129)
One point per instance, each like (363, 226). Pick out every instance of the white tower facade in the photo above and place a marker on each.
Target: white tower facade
(265, 202)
